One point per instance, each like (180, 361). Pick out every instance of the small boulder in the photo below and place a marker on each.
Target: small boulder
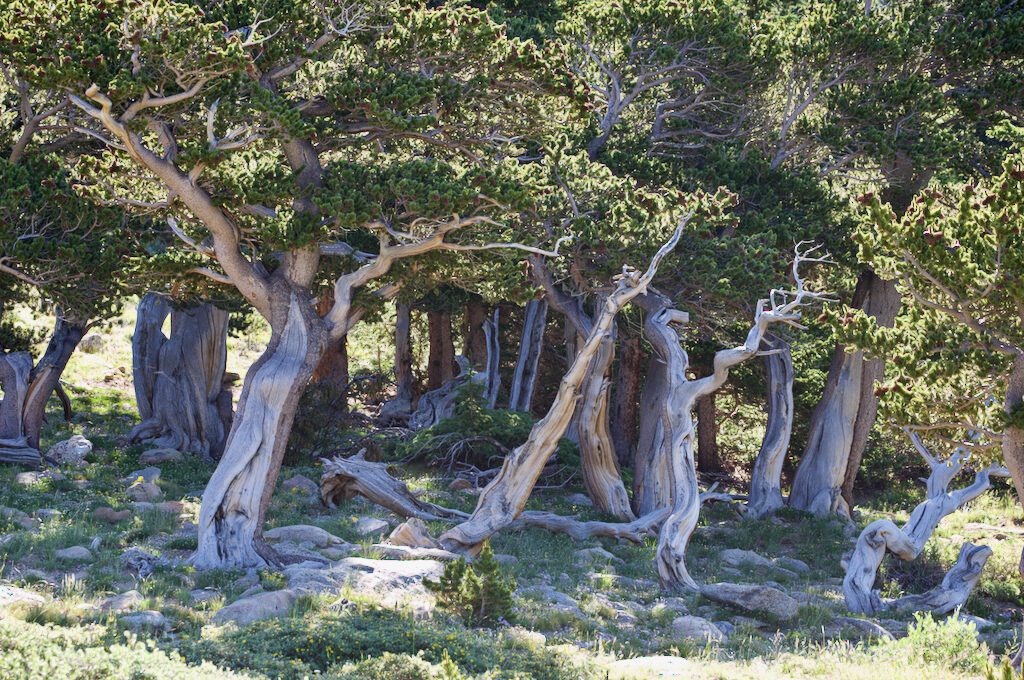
(76, 553)
(145, 492)
(10, 595)
(12, 513)
(792, 564)
(163, 455)
(92, 343)
(340, 552)
(303, 534)
(123, 602)
(204, 595)
(47, 513)
(675, 605)
(579, 499)
(736, 557)
(70, 451)
(148, 474)
(864, 629)
(28, 478)
(412, 533)
(371, 526)
(591, 555)
(301, 483)
(756, 599)
(979, 623)
(30, 523)
(148, 620)
(696, 629)
(273, 604)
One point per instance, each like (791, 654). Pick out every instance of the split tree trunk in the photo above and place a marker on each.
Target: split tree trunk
(530, 347)
(475, 345)
(502, 501)
(185, 392)
(844, 417)
(766, 479)
(441, 360)
(492, 359)
(399, 408)
(626, 399)
(238, 493)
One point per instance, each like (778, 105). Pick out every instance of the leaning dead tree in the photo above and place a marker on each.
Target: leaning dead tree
(503, 500)
(179, 380)
(766, 479)
(883, 536)
(674, 452)
(531, 345)
(598, 461)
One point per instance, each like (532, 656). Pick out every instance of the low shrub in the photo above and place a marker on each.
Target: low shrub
(478, 593)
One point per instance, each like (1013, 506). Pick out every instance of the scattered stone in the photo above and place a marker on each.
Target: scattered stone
(724, 626)
(865, 628)
(979, 623)
(273, 604)
(92, 343)
(10, 595)
(506, 560)
(126, 601)
(108, 514)
(70, 451)
(748, 622)
(30, 523)
(301, 483)
(696, 629)
(47, 513)
(248, 581)
(148, 474)
(412, 533)
(792, 564)
(145, 620)
(675, 605)
(204, 595)
(12, 513)
(557, 599)
(340, 552)
(145, 492)
(756, 599)
(390, 582)
(142, 561)
(303, 535)
(590, 555)
(461, 485)
(163, 455)
(579, 499)
(171, 507)
(76, 553)
(371, 526)
(736, 557)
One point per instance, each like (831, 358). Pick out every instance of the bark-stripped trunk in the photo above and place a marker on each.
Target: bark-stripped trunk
(399, 408)
(843, 418)
(766, 479)
(883, 535)
(491, 376)
(708, 457)
(475, 345)
(237, 496)
(651, 485)
(524, 379)
(504, 498)
(45, 376)
(626, 399)
(441, 360)
(184, 394)
(437, 405)
(15, 368)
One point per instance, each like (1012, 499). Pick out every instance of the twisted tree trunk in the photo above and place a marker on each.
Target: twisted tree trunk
(524, 379)
(184, 393)
(437, 405)
(399, 408)
(15, 368)
(843, 418)
(766, 479)
(492, 360)
(45, 376)
(625, 407)
(238, 493)
(883, 535)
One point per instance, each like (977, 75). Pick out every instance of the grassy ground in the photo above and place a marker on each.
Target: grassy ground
(622, 627)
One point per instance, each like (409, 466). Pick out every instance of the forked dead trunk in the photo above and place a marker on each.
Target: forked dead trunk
(524, 379)
(238, 493)
(766, 479)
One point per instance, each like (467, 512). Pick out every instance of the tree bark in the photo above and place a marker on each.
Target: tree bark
(238, 493)
(333, 367)
(708, 458)
(147, 339)
(399, 408)
(491, 375)
(185, 389)
(530, 347)
(15, 368)
(625, 407)
(441, 361)
(844, 417)
(475, 345)
(437, 405)
(766, 479)
(67, 333)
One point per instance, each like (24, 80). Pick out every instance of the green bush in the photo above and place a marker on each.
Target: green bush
(951, 643)
(477, 593)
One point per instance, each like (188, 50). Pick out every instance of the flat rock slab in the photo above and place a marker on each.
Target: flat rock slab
(390, 582)
(303, 534)
(371, 526)
(756, 599)
(273, 604)
(126, 601)
(156, 456)
(696, 629)
(76, 553)
(11, 595)
(145, 620)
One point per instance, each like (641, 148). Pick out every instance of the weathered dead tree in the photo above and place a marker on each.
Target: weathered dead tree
(15, 368)
(491, 375)
(625, 412)
(344, 478)
(179, 380)
(674, 453)
(531, 345)
(766, 479)
(598, 462)
(635, 531)
(474, 346)
(502, 501)
(399, 407)
(436, 405)
(882, 536)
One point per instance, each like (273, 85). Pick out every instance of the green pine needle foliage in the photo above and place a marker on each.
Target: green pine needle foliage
(478, 593)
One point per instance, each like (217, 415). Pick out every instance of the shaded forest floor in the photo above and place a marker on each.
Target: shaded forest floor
(124, 603)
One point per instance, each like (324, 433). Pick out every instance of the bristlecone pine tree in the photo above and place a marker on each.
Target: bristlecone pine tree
(479, 593)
